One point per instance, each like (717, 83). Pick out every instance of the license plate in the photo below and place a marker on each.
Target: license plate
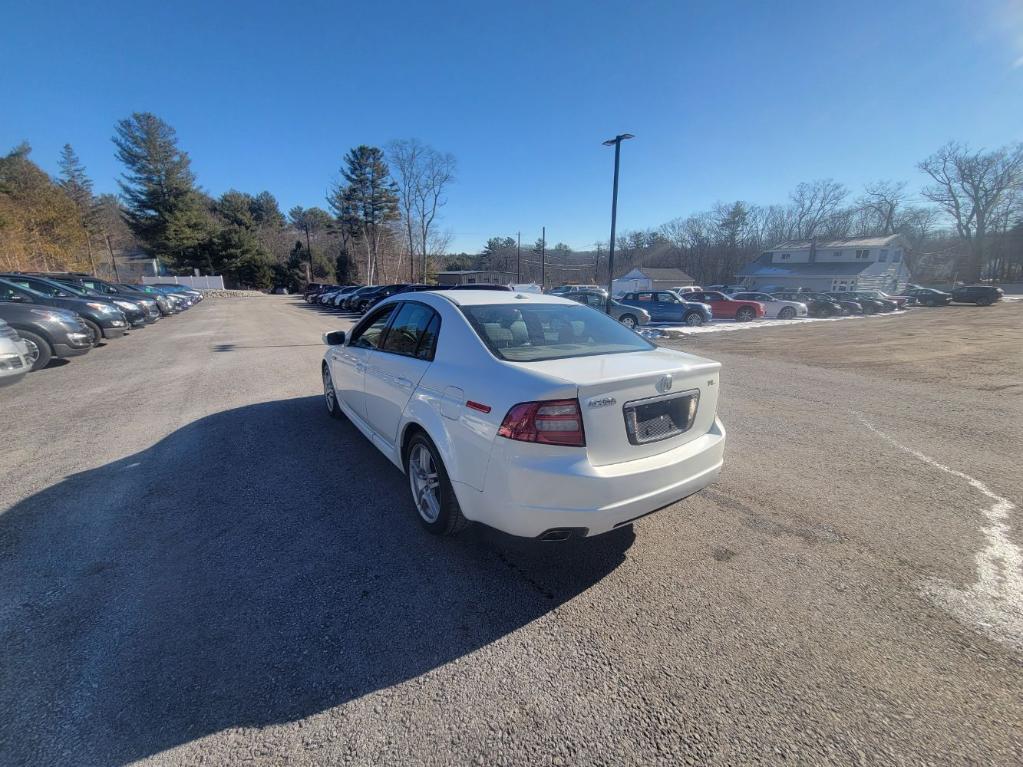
(658, 418)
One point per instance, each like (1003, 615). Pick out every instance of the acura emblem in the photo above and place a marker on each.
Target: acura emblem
(664, 384)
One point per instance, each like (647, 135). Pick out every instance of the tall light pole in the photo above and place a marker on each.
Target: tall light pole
(616, 142)
(518, 258)
(543, 258)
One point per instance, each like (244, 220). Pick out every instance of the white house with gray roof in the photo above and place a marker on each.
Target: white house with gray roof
(650, 278)
(863, 263)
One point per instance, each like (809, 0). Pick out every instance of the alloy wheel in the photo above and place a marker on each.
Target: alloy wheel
(629, 321)
(328, 391)
(424, 482)
(694, 320)
(33, 352)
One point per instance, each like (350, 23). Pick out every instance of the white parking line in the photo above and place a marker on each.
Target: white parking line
(994, 604)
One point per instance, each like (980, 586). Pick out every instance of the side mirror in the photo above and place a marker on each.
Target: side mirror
(336, 338)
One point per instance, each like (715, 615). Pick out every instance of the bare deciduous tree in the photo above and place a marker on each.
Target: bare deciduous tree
(406, 157)
(969, 187)
(813, 204)
(879, 207)
(424, 175)
(438, 173)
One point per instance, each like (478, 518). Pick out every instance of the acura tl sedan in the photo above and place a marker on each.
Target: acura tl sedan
(526, 412)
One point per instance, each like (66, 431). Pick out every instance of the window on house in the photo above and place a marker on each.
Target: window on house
(883, 255)
(784, 256)
(837, 254)
(896, 257)
(862, 255)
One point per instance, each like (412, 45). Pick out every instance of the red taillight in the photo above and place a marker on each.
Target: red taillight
(552, 422)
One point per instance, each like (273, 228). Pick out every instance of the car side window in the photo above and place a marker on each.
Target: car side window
(407, 329)
(47, 290)
(370, 334)
(428, 341)
(666, 298)
(10, 294)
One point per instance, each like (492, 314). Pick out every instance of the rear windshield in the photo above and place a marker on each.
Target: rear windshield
(535, 332)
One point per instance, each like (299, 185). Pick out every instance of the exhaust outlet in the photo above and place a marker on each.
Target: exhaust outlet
(562, 533)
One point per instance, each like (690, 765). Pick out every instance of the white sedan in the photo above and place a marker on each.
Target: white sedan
(529, 413)
(774, 308)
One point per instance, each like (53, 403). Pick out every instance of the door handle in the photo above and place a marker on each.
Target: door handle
(404, 383)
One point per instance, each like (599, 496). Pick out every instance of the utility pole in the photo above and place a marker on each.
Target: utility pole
(617, 143)
(518, 258)
(113, 261)
(543, 258)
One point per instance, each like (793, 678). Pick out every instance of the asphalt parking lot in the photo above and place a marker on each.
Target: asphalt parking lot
(200, 567)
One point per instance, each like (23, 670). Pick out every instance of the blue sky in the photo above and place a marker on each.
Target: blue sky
(728, 100)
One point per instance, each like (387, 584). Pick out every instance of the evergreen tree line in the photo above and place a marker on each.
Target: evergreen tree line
(377, 227)
(381, 220)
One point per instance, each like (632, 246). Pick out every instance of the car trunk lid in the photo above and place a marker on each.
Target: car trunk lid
(639, 404)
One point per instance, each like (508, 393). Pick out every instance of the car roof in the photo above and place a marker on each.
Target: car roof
(493, 297)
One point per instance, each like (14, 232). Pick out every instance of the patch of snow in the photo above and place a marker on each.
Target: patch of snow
(719, 326)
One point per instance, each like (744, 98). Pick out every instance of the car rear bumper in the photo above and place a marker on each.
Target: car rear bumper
(529, 494)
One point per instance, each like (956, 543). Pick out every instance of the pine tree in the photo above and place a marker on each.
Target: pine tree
(163, 208)
(369, 199)
(266, 211)
(78, 187)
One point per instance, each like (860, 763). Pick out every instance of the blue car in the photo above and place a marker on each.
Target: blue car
(666, 306)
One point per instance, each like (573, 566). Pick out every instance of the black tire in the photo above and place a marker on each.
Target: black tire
(97, 333)
(787, 313)
(628, 321)
(330, 395)
(693, 319)
(984, 301)
(38, 347)
(449, 520)
(745, 314)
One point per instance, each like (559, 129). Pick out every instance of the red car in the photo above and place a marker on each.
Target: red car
(723, 307)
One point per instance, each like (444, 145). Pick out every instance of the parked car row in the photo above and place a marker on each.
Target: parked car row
(689, 305)
(65, 314)
(359, 299)
(981, 295)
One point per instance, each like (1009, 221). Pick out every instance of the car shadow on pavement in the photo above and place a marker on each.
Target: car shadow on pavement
(256, 566)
